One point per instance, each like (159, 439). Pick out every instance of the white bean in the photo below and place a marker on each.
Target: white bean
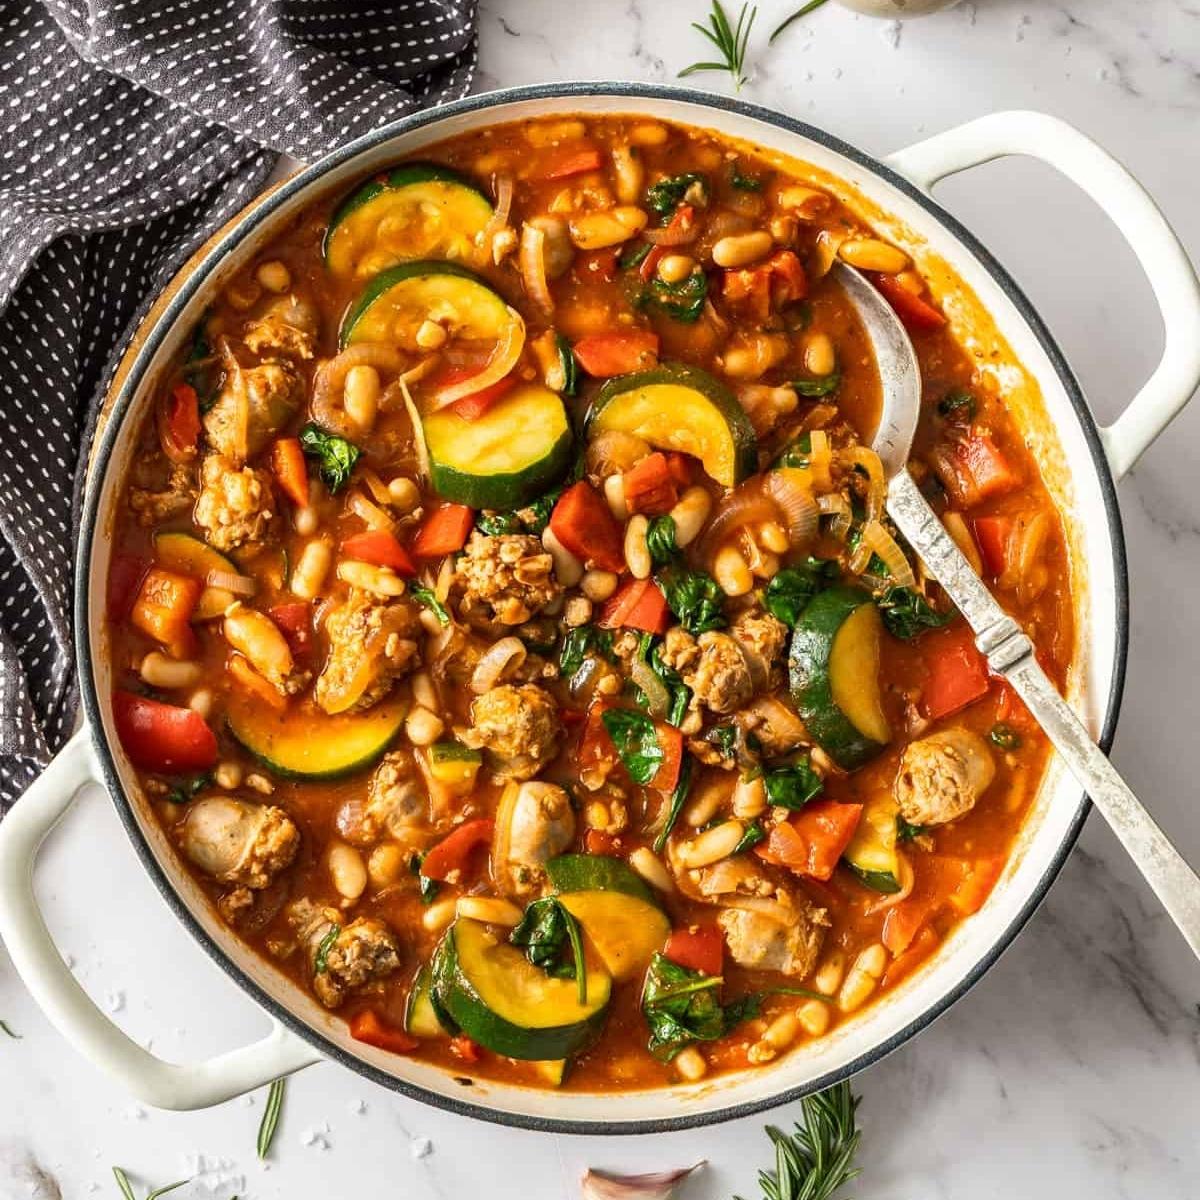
(347, 870)
(382, 581)
(649, 866)
(490, 909)
(712, 845)
(312, 566)
(741, 249)
(689, 515)
(637, 553)
(162, 672)
(614, 493)
(423, 727)
(731, 571)
(256, 636)
(568, 570)
(274, 276)
(597, 585)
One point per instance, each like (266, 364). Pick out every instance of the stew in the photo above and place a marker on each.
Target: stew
(510, 635)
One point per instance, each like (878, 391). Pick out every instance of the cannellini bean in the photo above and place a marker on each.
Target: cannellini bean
(347, 870)
(705, 803)
(691, 1064)
(813, 1016)
(784, 229)
(675, 268)
(756, 354)
(423, 727)
(820, 358)
(773, 537)
(637, 553)
(862, 978)
(749, 799)
(689, 515)
(647, 134)
(650, 867)
(306, 520)
(382, 581)
(259, 783)
(162, 672)
(614, 494)
(870, 254)
(782, 1031)
(597, 585)
(228, 775)
(630, 173)
(830, 974)
(201, 701)
(731, 572)
(360, 397)
(807, 203)
(766, 566)
(308, 575)
(597, 230)
(568, 570)
(712, 845)
(403, 494)
(424, 690)
(439, 915)
(550, 133)
(274, 276)
(386, 864)
(741, 249)
(431, 336)
(557, 251)
(257, 637)
(490, 909)
(504, 242)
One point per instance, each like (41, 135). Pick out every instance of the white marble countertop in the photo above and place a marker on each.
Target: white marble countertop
(1072, 1068)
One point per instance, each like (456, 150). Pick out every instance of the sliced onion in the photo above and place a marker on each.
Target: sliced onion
(877, 540)
(445, 577)
(747, 505)
(820, 460)
(797, 505)
(657, 1185)
(614, 451)
(1022, 554)
(500, 214)
(532, 261)
(330, 380)
(907, 881)
(714, 318)
(241, 401)
(230, 581)
(500, 659)
(375, 485)
(865, 459)
(582, 685)
(838, 507)
(505, 356)
(678, 233)
(658, 699)
(414, 417)
(369, 512)
(956, 527)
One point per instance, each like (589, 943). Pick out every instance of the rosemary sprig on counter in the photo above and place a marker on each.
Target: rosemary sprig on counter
(270, 1117)
(802, 11)
(730, 41)
(5, 1026)
(127, 1188)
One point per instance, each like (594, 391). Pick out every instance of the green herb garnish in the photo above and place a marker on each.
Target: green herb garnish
(427, 597)
(636, 740)
(958, 404)
(790, 590)
(682, 301)
(127, 1188)
(579, 643)
(730, 42)
(1004, 736)
(270, 1117)
(665, 196)
(724, 737)
(428, 888)
(743, 183)
(321, 958)
(545, 933)
(694, 598)
(188, 789)
(907, 614)
(907, 832)
(660, 540)
(570, 365)
(794, 785)
(336, 456)
(814, 388)
(753, 835)
(803, 11)
(635, 257)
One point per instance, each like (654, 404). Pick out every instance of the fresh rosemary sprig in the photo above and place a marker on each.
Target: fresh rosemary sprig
(816, 1160)
(5, 1026)
(270, 1117)
(803, 11)
(729, 40)
(127, 1188)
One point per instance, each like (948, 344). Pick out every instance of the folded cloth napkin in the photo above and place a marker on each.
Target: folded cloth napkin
(128, 133)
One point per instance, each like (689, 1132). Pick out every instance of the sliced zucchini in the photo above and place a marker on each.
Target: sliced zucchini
(676, 407)
(834, 675)
(502, 1001)
(872, 854)
(304, 743)
(454, 765)
(625, 930)
(597, 873)
(507, 457)
(394, 304)
(419, 210)
(190, 556)
(420, 1015)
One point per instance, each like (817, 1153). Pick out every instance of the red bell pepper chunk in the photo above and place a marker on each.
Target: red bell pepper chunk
(771, 284)
(572, 160)
(163, 737)
(606, 354)
(990, 472)
(639, 604)
(923, 945)
(596, 841)
(472, 407)
(1011, 710)
(670, 741)
(650, 263)
(650, 486)
(916, 315)
(295, 622)
(957, 672)
(595, 746)
(179, 423)
(163, 609)
(698, 948)
(978, 879)
(680, 466)
(905, 920)
(368, 1027)
(991, 536)
(287, 461)
(445, 530)
(380, 548)
(596, 264)
(584, 524)
(811, 842)
(453, 851)
(125, 575)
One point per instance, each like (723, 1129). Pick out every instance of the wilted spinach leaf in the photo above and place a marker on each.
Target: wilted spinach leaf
(665, 196)
(788, 593)
(335, 456)
(794, 785)
(907, 613)
(693, 597)
(682, 301)
(636, 740)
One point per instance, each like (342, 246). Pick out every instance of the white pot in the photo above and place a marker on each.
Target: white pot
(1080, 462)
(897, 10)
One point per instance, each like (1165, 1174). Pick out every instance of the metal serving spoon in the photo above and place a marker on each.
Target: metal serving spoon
(1000, 639)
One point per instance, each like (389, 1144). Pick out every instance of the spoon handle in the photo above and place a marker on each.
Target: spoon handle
(1010, 653)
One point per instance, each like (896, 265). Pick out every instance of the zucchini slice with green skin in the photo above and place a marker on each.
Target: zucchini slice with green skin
(597, 873)
(190, 556)
(502, 1001)
(392, 307)
(834, 675)
(676, 407)
(419, 210)
(420, 1015)
(872, 854)
(301, 743)
(625, 930)
(454, 765)
(509, 456)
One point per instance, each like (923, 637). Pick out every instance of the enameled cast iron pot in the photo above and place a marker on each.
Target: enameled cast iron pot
(1080, 462)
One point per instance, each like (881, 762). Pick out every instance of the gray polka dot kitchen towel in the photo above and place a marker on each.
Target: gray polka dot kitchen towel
(129, 130)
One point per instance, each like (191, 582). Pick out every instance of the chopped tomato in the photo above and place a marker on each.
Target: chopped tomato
(462, 1047)
(650, 486)
(650, 263)
(571, 160)
(596, 264)
(789, 282)
(991, 535)
(295, 622)
(380, 548)
(287, 461)
(605, 354)
(163, 609)
(125, 575)
(811, 842)
(369, 1027)
(453, 851)
(777, 281)
(905, 920)
(596, 841)
(595, 746)
(179, 423)
(472, 407)
(163, 737)
(972, 469)
(640, 604)
(445, 530)
(975, 880)
(670, 741)
(957, 672)
(1011, 710)
(916, 315)
(680, 466)
(923, 945)
(584, 524)
(697, 947)
(246, 677)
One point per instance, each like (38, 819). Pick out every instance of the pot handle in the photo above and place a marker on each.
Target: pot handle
(59, 994)
(1139, 220)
